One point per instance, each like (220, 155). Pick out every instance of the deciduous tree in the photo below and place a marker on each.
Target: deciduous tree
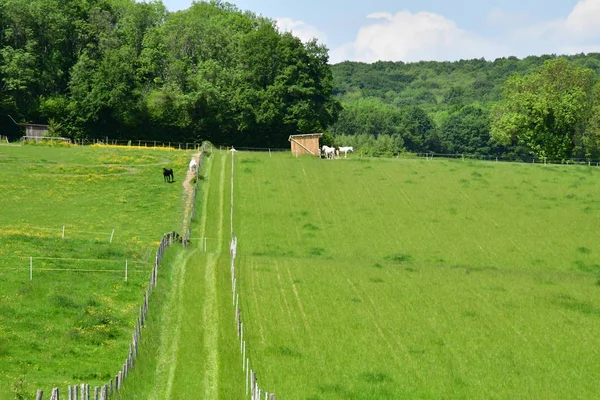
(547, 111)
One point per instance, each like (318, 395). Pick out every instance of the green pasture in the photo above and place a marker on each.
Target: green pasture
(73, 322)
(190, 349)
(388, 279)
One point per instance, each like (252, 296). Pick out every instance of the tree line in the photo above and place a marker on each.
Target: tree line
(544, 107)
(128, 70)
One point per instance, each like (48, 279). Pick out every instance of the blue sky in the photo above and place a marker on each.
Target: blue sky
(411, 30)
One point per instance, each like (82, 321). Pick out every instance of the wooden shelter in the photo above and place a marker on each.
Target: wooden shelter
(305, 144)
(34, 131)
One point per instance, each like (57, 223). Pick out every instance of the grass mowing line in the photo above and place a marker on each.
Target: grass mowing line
(169, 337)
(295, 289)
(393, 211)
(210, 312)
(287, 306)
(374, 311)
(168, 352)
(176, 336)
(255, 290)
(415, 211)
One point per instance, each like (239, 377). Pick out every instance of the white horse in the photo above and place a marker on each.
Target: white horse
(345, 150)
(193, 165)
(329, 151)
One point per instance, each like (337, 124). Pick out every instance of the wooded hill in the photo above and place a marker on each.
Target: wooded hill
(438, 86)
(453, 107)
(128, 70)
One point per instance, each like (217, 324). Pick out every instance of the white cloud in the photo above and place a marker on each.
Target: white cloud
(301, 30)
(412, 37)
(406, 36)
(584, 19)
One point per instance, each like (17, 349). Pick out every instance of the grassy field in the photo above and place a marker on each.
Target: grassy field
(73, 322)
(358, 278)
(190, 350)
(388, 279)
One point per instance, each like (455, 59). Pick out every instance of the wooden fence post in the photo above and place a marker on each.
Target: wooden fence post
(82, 391)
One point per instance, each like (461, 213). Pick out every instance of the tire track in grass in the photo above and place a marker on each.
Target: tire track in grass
(285, 302)
(172, 364)
(391, 340)
(259, 318)
(415, 211)
(210, 312)
(295, 289)
(169, 337)
(171, 330)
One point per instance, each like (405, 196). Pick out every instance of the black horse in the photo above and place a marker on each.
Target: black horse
(168, 175)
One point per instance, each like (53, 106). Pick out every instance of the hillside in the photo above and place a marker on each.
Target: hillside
(437, 86)
(446, 107)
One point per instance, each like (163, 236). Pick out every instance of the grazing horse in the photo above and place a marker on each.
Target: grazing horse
(328, 151)
(168, 175)
(193, 165)
(345, 150)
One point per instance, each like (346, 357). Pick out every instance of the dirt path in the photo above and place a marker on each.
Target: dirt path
(188, 189)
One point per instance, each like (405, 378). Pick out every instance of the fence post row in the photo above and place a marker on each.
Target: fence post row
(82, 391)
(250, 375)
(105, 391)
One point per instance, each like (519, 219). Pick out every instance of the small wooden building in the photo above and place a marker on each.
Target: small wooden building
(305, 144)
(34, 131)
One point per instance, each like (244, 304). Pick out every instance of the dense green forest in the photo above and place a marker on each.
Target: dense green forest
(127, 70)
(474, 107)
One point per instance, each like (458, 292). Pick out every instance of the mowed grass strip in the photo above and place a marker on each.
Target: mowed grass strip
(196, 353)
(413, 279)
(73, 322)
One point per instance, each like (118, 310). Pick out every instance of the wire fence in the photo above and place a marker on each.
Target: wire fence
(106, 141)
(106, 391)
(429, 156)
(33, 264)
(148, 144)
(251, 381)
(69, 232)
